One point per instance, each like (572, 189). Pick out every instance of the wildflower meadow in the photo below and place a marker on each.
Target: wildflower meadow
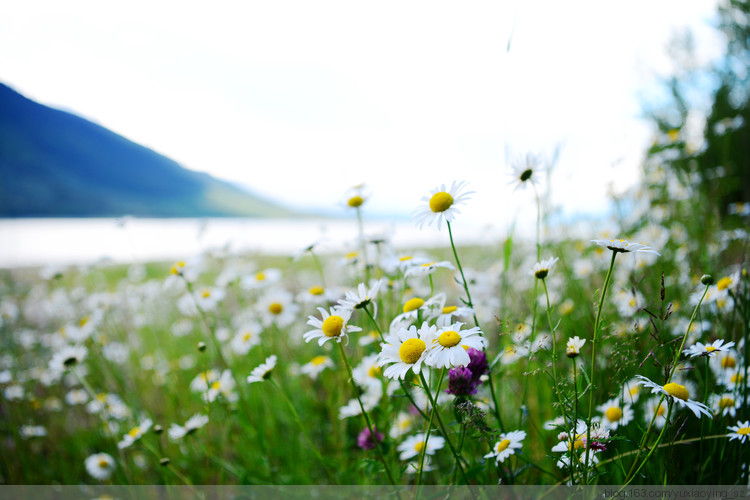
(617, 357)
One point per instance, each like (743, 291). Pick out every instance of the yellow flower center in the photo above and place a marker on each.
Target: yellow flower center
(710, 348)
(333, 325)
(728, 362)
(635, 390)
(726, 402)
(613, 414)
(206, 293)
(724, 283)
(413, 304)
(318, 360)
(659, 410)
(736, 378)
(405, 258)
(355, 201)
(449, 309)
(440, 202)
(678, 391)
(374, 371)
(744, 431)
(351, 255)
(429, 264)
(449, 338)
(177, 267)
(503, 445)
(275, 308)
(419, 447)
(216, 385)
(103, 464)
(577, 444)
(260, 276)
(83, 321)
(316, 290)
(134, 432)
(246, 337)
(411, 350)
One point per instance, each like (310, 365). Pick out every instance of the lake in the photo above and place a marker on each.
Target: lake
(38, 242)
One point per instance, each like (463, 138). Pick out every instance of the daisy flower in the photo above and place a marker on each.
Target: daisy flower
(247, 337)
(541, 269)
(355, 196)
(624, 246)
(700, 349)
(263, 371)
(631, 390)
(177, 432)
(261, 279)
(368, 372)
(653, 407)
(428, 268)
(316, 365)
(100, 466)
(331, 326)
(441, 204)
(135, 434)
(223, 386)
(728, 282)
(413, 445)
(740, 431)
(415, 305)
(679, 394)
(406, 350)
(522, 170)
(507, 445)
(449, 348)
(447, 313)
(277, 307)
(573, 347)
(725, 404)
(615, 414)
(67, 357)
(362, 298)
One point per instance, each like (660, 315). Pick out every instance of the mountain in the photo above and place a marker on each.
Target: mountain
(56, 164)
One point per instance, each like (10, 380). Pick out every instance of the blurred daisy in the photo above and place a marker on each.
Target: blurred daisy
(573, 347)
(413, 445)
(449, 348)
(624, 246)
(679, 394)
(67, 357)
(631, 390)
(446, 315)
(740, 431)
(332, 326)
(277, 307)
(316, 365)
(368, 372)
(261, 279)
(223, 386)
(441, 204)
(507, 445)
(177, 432)
(728, 282)
(263, 371)
(406, 350)
(541, 269)
(100, 466)
(135, 434)
(724, 404)
(355, 196)
(700, 349)
(428, 268)
(523, 169)
(615, 414)
(651, 408)
(246, 338)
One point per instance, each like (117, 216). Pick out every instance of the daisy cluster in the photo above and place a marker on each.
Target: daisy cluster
(360, 357)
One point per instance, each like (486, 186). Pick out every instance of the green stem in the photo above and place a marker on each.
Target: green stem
(429, 423)
(364, 245)
(443, 430)
(378, 445)
(597, 324)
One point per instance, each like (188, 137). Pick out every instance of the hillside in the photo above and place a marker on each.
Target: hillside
(56, 164)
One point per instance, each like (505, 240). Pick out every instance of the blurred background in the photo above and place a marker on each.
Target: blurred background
(274, 110)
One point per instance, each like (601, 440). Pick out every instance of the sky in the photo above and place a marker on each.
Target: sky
(300, 100)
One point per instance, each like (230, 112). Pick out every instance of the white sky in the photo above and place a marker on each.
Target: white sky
(301, 100)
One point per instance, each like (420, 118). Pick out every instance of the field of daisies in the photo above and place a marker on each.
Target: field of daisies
(616, 358)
